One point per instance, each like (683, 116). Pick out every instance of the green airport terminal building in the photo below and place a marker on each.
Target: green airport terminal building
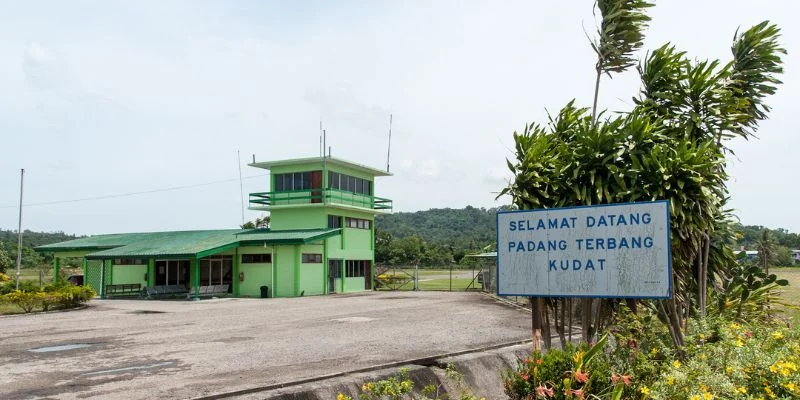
(321, 240)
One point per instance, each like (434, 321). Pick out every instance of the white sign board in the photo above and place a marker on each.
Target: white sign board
(613, 250)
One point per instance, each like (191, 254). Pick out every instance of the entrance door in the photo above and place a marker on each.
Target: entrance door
(217, 270)
(172, 272)
(334, 273)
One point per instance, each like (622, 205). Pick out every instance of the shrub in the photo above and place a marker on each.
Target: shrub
(26, 301)
(4, 277)
(54, 297)
(572, 373)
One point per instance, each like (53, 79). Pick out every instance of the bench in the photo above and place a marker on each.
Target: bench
(123, 290)
(211, 291)
(164, 291)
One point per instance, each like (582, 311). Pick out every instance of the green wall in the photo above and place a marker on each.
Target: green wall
(255, 275)
(311, 276)
(128, 274)
(353, 285)
(308, 217)
(284, 261)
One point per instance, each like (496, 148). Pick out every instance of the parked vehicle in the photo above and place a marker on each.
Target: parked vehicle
(76, 280)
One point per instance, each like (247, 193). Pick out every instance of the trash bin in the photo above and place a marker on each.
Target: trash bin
(264, 292)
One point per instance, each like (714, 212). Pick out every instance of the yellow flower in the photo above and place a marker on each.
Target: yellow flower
(695, 397)
(654, 351)
(769, 392)
(578, 356)
(670, 380)
(734, 325)
(341, 397)
(742, 390)
(676, 364)
(645, 390)
(739, 343)
(777, 335)
(791, 386)
(707, 396)
(364, 387)
(702, 336)
(728, 370)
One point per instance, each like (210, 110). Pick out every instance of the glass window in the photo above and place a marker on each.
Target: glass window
(334, 221)
(279, 182)
(265, 258)
(309, 258)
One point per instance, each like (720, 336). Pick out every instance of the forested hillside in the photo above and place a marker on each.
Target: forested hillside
(443, 235)
(8, 247)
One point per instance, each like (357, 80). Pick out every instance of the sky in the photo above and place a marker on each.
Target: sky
(99, 99)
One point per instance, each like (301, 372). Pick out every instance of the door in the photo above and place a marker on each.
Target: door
(316, 183)
(334, 273)
(172, 272)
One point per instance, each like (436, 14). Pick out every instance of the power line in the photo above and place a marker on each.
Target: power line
(113, 196)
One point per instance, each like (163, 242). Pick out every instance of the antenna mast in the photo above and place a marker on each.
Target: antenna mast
(389, 150)
(241, 187)
(19, 228)
(321, 146)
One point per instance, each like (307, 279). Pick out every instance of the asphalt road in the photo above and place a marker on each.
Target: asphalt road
(182, 349)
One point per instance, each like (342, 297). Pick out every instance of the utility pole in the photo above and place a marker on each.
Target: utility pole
(19, 227)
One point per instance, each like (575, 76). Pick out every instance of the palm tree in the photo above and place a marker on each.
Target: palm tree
(766, 249)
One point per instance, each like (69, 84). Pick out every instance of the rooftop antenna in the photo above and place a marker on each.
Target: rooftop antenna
(321, 146)
(389, 150)
(324, 141)
(241, 187)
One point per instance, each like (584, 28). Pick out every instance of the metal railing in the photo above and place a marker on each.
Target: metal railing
(327, 196)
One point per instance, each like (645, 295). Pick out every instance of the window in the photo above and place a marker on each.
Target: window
(334, 221)
(310, 258)
(257, 258)
(294, 181)
(130, 261)
(349, 183)
(357, 223)
(356, 268)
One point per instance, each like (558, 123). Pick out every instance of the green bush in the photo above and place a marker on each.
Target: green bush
(53, 297)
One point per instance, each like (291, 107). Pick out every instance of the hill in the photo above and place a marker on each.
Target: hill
(469, 228)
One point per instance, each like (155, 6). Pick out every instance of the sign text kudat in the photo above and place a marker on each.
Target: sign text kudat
(615, 250)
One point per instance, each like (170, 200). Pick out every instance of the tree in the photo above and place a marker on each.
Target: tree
(259, 223)
(6, 262)
(671, 145)
(766, 250)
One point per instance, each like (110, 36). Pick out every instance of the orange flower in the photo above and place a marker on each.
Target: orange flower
(578, 393)
(614, 378)
(626, 379)
(581, 377)
(544, 391)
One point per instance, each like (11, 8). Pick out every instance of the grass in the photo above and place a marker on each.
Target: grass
(791, 293)
(458, 284)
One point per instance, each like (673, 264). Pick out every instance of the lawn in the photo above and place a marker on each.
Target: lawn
(791, 293)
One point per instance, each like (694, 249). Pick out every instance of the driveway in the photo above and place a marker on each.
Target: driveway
(136, 349)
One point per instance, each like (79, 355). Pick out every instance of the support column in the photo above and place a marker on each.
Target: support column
(297, 261)
(196, 279)
(103, 279)
(342, 269)
(325, 266)
(85, 265)
(56, 269)
(235, 278)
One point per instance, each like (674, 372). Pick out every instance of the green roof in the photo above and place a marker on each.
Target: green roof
(330, 160)
(187, 244)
